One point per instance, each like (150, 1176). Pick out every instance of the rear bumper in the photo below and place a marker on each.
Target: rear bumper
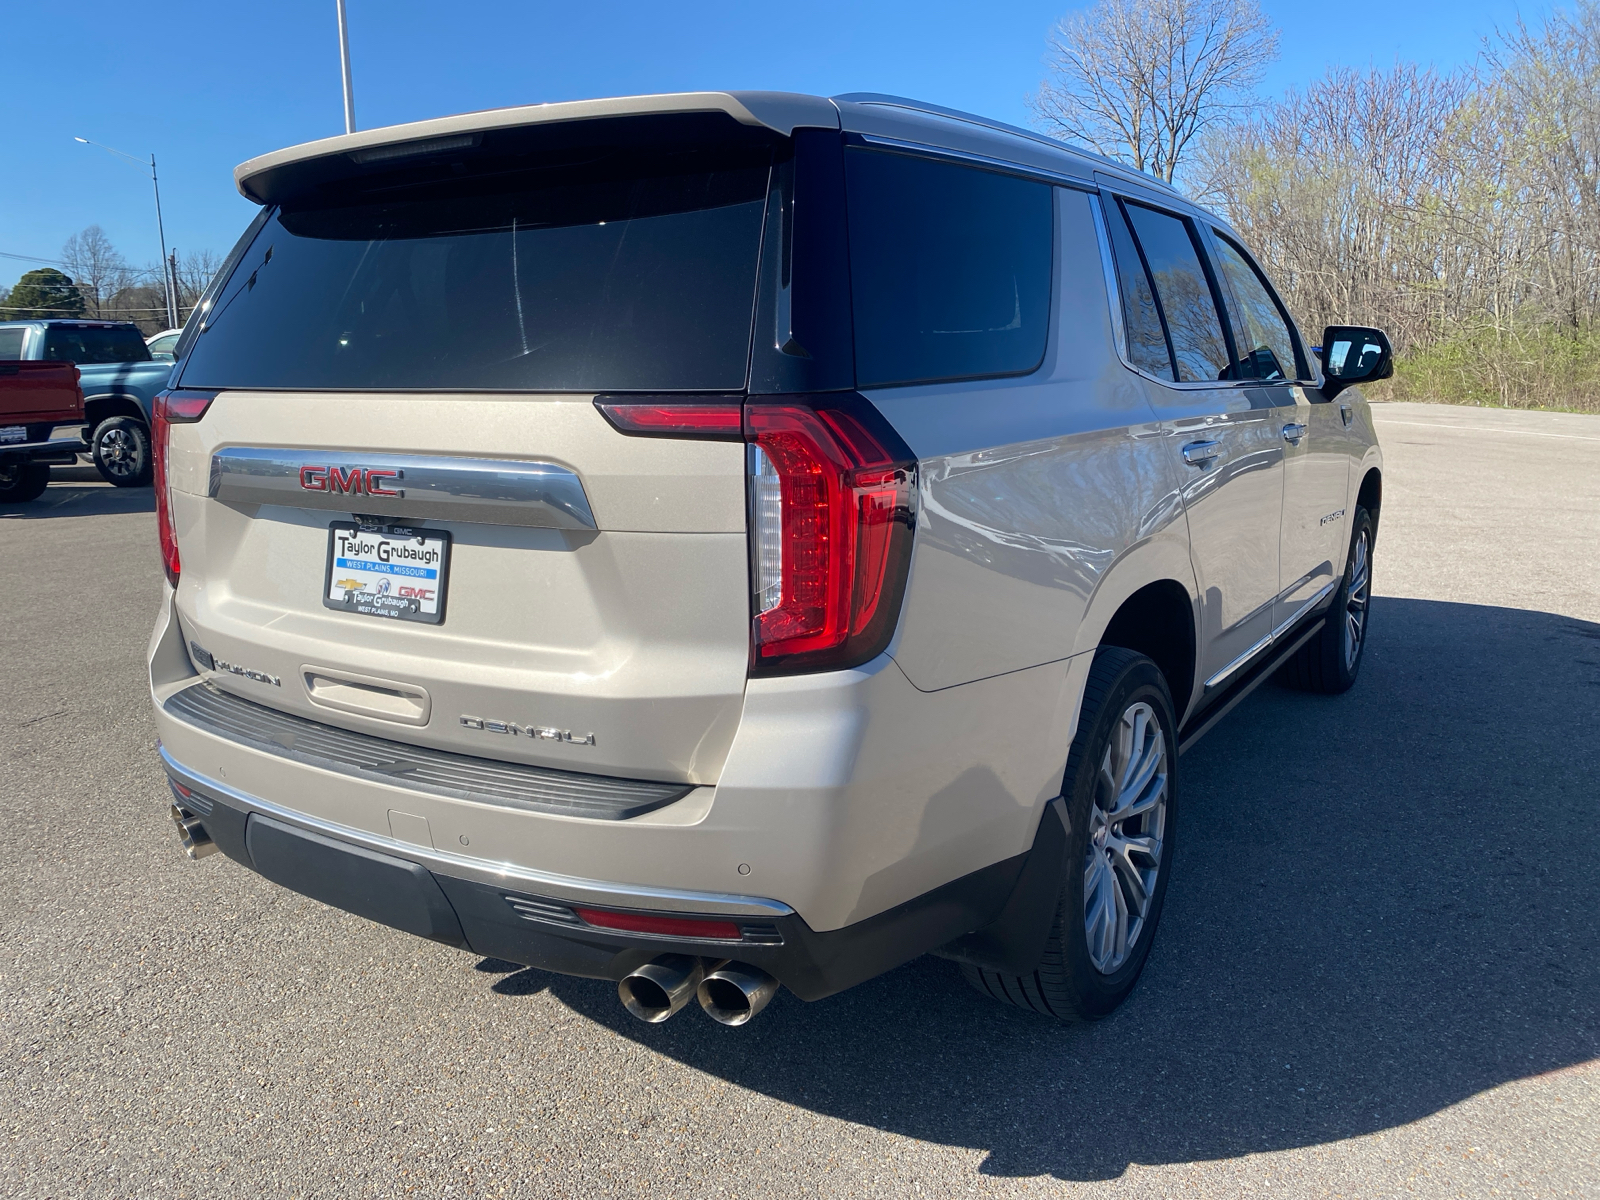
(529, 918)
(58, 451)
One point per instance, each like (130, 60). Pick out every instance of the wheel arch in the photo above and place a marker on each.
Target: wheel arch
(1370, 494)
(112, 404)
(1148, 603)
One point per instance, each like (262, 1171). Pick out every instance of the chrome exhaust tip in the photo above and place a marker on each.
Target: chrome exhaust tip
(196, 841)
(735, 992)
(661, 986)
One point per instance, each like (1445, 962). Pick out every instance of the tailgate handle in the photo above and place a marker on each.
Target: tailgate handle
(365, 696)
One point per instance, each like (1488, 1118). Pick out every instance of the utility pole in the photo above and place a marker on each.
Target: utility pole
(161, 231)
(344, 66)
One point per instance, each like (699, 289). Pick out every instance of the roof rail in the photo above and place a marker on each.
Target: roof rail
(956, 114)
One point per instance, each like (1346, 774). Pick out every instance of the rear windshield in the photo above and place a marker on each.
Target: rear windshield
(94, 346)
(619, 273)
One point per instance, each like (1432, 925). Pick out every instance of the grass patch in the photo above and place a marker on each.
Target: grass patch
(1542, 369)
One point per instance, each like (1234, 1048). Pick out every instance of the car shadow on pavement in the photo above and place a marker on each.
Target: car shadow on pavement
(1384, 903)
(66, 500)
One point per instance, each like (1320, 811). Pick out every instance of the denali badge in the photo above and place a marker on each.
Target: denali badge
(357, 481)
(1333, 516)
(532, 731)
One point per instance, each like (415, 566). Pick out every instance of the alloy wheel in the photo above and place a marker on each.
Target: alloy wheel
(1127, 825)
(120, 453)
(1358, 595)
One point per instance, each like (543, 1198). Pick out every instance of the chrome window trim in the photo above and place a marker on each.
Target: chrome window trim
(967, 158)
(1114, 295)
(486, 491)
(495, 874)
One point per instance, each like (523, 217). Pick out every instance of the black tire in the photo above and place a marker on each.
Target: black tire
(121, 447)
(1067, 984)
(23, 482)
(1328, 663)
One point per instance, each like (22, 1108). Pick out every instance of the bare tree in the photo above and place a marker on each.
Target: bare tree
(101, 272)
(194, 276)
(1138, 80)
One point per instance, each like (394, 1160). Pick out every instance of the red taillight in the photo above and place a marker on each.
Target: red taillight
(684, 927)
(719, 418)
(171, 408)
(830, 529)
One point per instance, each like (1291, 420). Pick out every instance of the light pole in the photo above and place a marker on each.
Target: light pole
(161, 232)
(344, 67)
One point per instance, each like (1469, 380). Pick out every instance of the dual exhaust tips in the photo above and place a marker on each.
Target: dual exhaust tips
(730, 992)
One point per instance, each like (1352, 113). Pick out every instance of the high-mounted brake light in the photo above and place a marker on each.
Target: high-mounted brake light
(831, 514)
(171, 408)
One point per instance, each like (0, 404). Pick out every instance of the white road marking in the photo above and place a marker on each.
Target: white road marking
(1573, 437)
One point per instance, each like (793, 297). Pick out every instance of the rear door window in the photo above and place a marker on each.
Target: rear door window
(1266, 347)
(604, 272)
(1190, 310)
(84, 346)
(1147, 341)
(950, 269)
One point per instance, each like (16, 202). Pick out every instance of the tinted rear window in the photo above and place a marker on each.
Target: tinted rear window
(606, 273)
(94, 346)
(1185, 294)
(949, 269)
(11, 343)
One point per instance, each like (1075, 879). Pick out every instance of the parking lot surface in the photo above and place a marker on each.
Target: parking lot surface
(1378, 972)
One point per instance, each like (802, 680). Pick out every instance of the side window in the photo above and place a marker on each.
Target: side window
(950, 269)
(1266, 347)
(11, 342)
(1147, 342)
(1185, 295)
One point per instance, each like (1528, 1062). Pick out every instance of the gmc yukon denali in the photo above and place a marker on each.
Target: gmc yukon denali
(725, 541)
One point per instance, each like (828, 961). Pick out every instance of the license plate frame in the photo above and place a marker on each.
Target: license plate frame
(388, 604)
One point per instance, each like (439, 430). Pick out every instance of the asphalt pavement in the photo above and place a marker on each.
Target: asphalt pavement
(1378, 971)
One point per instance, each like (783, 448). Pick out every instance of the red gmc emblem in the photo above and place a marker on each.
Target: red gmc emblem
(357, 481)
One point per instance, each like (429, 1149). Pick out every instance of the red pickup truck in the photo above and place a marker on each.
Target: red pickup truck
(35, 397)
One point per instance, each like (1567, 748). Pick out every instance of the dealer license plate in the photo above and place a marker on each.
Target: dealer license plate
(10, 435)
(392, 571)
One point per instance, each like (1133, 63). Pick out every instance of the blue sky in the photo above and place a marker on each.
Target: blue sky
(206, 86)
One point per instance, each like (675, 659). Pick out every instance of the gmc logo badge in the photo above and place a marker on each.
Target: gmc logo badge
(356, 481)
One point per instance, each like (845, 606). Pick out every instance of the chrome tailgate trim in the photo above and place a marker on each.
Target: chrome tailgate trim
(488, 491)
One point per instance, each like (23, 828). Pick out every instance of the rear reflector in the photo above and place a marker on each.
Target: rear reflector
(169, 409)
(684, 927)
(717, 418)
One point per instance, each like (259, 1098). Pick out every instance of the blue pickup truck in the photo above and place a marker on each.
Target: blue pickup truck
(119, 378)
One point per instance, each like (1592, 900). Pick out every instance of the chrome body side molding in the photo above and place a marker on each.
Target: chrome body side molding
(1232, 668)
(484, 490)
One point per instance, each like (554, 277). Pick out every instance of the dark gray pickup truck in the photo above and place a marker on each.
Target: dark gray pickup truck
(119, 379)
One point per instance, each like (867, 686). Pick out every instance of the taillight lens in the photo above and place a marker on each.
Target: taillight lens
(718, 418)
(832, 503)
(171, 408)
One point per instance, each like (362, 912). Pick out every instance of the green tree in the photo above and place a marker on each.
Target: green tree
(45, 292)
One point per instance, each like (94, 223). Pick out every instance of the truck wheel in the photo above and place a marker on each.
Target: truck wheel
(23, 482)
(1330, 662)
(122, 452)
(1121, 794)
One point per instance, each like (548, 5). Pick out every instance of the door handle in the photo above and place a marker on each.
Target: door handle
(1198, 454)
(1344, 411)
(1293, 432)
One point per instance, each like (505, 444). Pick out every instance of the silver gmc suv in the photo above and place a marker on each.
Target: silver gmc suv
(724, 540)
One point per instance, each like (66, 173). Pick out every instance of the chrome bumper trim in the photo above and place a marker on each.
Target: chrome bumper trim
(506, 875)
(488, 491)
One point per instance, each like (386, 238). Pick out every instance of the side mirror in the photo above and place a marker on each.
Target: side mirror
(1353, 354)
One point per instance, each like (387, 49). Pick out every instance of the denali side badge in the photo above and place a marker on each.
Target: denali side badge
(533, 731)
